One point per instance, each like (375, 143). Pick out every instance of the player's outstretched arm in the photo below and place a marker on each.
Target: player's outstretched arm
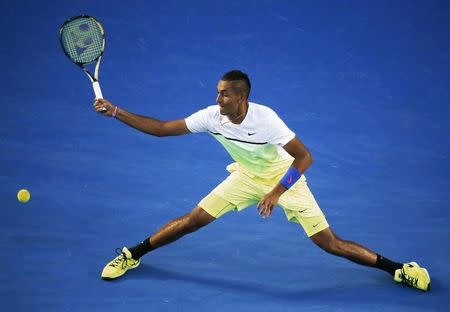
(145, 124)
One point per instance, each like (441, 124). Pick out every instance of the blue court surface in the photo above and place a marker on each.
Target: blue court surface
(364, 84)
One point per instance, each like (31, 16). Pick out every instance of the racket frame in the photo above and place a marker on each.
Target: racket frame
(92, 78)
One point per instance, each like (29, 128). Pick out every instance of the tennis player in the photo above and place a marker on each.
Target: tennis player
(269, 167)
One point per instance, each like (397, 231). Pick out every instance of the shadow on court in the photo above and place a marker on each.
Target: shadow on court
(334, 293)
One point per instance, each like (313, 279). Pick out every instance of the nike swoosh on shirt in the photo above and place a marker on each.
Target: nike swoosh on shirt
(251, 133)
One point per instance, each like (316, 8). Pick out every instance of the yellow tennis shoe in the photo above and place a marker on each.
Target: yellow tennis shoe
(413, 275)
(120, 264)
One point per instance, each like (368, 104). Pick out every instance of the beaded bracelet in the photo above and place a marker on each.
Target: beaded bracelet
(116, 110)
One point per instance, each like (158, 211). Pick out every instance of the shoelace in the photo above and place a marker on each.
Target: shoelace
(410, 280)
(122, 258)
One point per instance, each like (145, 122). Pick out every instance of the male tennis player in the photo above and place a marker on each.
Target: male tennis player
(269, 167)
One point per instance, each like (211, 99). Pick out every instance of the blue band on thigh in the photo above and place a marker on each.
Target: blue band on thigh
(291, 176)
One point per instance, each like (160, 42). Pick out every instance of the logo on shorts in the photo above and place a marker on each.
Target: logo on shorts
(251, 133)
(316, 224)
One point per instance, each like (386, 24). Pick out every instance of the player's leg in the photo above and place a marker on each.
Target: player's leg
(129, 258)
(300, 206)
(227, 196)
(210, 208)
(177, 228)
(232, 193)
(319, 232)
(331, 243)
(409, 273)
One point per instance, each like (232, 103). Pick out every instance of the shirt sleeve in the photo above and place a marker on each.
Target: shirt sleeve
(280, 134)
(199, 121)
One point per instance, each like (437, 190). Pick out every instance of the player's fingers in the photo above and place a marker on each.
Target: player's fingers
(262, 211)
(260, 206)
(268, 211)
(99, 108)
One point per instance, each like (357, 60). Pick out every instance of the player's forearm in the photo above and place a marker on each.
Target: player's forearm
(145, 124)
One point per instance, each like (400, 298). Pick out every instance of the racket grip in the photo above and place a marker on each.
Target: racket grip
(97, 90)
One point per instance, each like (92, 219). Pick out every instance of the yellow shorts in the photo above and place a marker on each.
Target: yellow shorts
(238, 191)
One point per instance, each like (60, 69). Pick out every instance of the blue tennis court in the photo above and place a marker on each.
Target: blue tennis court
(363, 84)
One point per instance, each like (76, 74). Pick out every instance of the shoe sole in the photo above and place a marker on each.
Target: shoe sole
(105, 278)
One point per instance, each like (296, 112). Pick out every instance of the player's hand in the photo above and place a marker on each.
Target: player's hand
(267, 203)
(104, 107)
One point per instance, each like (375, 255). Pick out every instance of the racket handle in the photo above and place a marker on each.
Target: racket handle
(97, 90)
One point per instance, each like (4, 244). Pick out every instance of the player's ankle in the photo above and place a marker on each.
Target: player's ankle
(387, 265)
(141, 249)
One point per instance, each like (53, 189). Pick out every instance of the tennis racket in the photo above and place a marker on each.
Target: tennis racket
(83, 41)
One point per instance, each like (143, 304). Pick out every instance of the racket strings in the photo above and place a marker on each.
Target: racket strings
(83, 40)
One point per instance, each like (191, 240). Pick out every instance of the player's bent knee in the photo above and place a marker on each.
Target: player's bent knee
(327, 241)
(198, 218)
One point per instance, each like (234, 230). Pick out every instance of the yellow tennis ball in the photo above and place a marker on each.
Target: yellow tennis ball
(23, 196)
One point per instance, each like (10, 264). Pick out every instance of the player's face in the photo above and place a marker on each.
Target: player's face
(227, 99)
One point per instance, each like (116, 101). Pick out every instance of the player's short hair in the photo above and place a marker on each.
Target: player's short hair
(243, 84)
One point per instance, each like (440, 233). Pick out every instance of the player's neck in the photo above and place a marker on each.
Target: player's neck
(240, 115)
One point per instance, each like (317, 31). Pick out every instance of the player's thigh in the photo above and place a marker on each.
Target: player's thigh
(311, 225)
(215, 205)
(300, 207)
(236, 192)
(299, 198)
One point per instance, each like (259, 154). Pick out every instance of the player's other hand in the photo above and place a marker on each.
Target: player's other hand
(266, 205)
(104, 107)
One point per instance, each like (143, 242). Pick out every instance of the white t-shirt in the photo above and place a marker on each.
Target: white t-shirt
(255, 144)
